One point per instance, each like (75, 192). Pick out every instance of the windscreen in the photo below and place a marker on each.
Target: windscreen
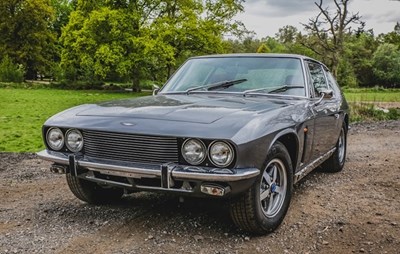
(270, 73)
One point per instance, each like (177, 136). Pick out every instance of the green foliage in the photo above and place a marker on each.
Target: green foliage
(370, 112)
(355, 65)
(391, 37)
(245, 45)
(138, 40)
(86, 43)
(26, 36)
(346, 76)
(386, 64)
(11, 72)
(62, 9)
(263, 49)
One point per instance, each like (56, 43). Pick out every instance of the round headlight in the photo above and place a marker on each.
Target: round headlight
(221, 153)
(74, 140)
(194, 151)
(55, 138)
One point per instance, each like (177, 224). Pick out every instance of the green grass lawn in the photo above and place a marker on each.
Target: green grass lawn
(372, 95)
(23, 112)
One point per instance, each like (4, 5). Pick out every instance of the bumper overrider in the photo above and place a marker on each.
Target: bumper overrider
(171, 177)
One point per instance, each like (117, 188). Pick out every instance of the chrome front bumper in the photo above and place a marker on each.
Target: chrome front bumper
(137, 170)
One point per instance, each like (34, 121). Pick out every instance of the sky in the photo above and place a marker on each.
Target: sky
(265, 17)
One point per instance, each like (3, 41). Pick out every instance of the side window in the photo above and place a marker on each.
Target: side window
(317, 77)
(333, 84)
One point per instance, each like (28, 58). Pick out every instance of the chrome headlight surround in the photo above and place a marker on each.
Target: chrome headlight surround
(74, 140)
(194, 151)
(55, 138)
(221, 153)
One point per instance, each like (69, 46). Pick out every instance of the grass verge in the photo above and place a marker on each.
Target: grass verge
(372, 95)
(373, 104)
(23, 112)
(361, 112)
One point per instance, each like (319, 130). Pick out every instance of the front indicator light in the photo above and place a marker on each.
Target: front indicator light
(214, 190)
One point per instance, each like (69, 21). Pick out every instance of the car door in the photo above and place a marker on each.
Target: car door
(325, 110)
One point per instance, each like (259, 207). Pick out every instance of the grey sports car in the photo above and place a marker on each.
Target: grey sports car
(242, 127)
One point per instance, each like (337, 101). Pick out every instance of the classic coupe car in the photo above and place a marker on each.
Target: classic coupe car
(242, 127)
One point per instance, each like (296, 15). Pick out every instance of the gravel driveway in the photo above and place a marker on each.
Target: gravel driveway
(357, 210)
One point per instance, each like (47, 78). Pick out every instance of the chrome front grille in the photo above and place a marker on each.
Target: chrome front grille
(130, 147)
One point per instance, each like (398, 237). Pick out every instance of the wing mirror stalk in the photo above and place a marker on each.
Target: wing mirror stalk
(156, 89)
(324, 94)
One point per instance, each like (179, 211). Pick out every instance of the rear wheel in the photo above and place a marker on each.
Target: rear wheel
(262, 208)
(335, 163)
(93, 193)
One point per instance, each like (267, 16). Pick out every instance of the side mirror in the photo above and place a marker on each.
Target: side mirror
(326, 93)
(156, 89)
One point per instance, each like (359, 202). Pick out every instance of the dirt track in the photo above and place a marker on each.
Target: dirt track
(357, 210)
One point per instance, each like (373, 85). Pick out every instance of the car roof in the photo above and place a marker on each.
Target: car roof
(275, 55)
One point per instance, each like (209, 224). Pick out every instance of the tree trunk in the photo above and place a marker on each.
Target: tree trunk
(136, 81)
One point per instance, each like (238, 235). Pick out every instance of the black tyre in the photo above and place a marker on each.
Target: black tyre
(262, 208)
(93, 193)
(335, 163)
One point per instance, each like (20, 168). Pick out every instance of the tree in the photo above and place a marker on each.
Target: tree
(139, 39)
(248, 44)
(327, 32)
(391, 37)
(263, 49)
(274, 45)
(386, 64)
(10, 72)
(287, 34)
(26, 36)
(288, 40)
(107, 41)
(62, 9)
(355, 67)
(195, 27)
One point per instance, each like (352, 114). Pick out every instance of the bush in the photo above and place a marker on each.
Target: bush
(370, 112)
(10, 72)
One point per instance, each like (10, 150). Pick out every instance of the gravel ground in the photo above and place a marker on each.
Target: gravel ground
(356, 211)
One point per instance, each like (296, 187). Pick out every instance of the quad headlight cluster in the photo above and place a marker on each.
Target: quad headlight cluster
(220, 153)
(72, 139)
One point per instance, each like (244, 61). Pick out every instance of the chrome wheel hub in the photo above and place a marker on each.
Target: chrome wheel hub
(273, 188)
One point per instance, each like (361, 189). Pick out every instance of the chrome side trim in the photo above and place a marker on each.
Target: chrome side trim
(133, 170)
(310, 167)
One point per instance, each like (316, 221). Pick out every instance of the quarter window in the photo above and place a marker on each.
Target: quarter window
(332, 83)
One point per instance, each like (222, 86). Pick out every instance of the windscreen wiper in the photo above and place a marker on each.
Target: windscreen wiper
(275, 90)
(254, 90)
(284, 88)
(214, 86)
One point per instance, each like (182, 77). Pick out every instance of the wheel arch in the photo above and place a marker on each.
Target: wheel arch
(346, 121)
(291, 141)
